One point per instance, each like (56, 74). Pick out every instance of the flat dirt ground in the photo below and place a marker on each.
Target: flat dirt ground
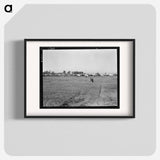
(79, 91)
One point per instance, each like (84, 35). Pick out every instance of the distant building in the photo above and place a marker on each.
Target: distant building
(97, 74)
(48, 73)
(90, 74)
(78, 73)
(105, 74)
(85, 74)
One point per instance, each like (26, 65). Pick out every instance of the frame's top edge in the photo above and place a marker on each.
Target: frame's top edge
(46, 48)
(34, 39)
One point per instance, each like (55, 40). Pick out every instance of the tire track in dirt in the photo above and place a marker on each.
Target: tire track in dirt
(100, 89)
(99, 100)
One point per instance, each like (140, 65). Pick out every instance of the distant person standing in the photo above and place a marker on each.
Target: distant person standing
(91, 79)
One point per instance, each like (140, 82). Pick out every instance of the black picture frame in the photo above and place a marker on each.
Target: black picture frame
(25, 76)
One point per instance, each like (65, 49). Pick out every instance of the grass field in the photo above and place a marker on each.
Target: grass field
(79, 91)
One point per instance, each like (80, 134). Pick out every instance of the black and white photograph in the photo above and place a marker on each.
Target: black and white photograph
(79, 77)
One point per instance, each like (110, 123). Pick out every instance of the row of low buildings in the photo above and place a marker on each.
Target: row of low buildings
(76, 73)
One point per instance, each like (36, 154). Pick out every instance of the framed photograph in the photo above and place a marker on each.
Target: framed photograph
(79, 78)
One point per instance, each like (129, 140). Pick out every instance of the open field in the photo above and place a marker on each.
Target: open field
(79, 91)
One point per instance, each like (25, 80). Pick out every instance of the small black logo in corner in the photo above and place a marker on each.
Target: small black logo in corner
(8, 8)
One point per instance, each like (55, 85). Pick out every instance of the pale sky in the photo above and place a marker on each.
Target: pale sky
(85, 60)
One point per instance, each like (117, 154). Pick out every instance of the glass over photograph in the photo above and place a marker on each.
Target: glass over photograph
(79, 77)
